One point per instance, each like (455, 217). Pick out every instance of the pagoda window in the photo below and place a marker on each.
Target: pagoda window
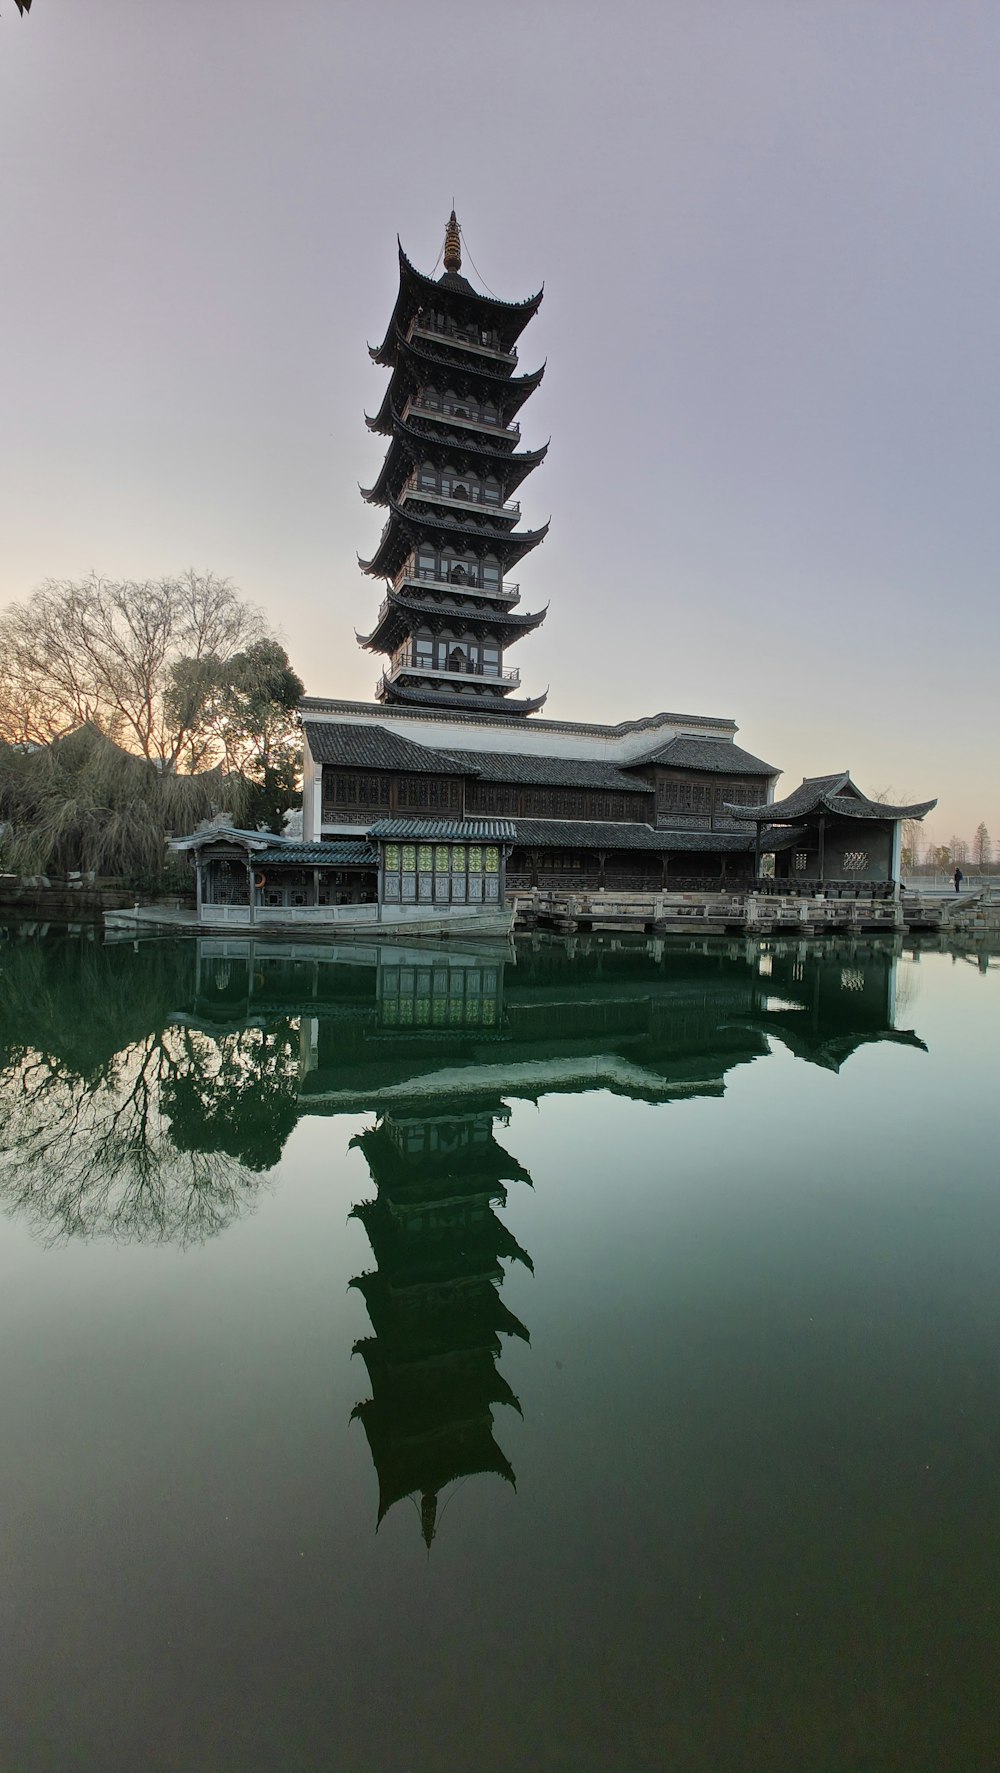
(491, 491)
(423, 649)
(428, 476)
(427, 566)
(491, 661)
(491, 570)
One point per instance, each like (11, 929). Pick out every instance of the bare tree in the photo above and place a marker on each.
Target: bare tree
(983, 846)
(959, 850)
(102, 652)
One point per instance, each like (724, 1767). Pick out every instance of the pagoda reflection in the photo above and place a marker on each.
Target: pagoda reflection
(434, 1301)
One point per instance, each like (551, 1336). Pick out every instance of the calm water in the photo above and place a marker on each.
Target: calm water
(421, 1362)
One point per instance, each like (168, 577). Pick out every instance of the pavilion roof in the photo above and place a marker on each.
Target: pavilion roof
(828, 794)
(347, 852)
(455, 295)
(690, 751)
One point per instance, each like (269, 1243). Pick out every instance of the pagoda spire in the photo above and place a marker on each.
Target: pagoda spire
(452, 244)
(448, 481)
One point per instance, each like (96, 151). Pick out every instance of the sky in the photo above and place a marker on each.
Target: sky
(767, 234)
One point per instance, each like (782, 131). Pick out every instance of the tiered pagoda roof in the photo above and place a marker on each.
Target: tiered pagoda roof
(434, 1304)
(452, 464)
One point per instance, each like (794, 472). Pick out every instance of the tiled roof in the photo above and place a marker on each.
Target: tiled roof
(829, 794)
(374, 747)
(347, 852)
(625, 835)
(555, 772)
(442, 830)
(720, 756)
(467, 704)
(322, 704)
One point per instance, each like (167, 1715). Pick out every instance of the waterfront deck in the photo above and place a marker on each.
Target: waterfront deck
(765, 913)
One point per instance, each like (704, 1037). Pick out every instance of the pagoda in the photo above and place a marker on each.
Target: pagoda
(451, 535)
(434, 1303)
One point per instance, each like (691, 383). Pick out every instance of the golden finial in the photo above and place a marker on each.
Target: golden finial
(452, 245)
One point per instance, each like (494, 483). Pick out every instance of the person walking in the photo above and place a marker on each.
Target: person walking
(959, 877)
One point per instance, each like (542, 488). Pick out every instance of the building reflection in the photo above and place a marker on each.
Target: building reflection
(155, 1115)
(434, 1302)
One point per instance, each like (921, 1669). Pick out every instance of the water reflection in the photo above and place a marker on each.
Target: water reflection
(146, 1090)
(434, 1302)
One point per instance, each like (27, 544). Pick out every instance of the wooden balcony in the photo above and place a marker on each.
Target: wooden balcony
(459, 341)
(442, 412)
(472, 500)
(409, 665)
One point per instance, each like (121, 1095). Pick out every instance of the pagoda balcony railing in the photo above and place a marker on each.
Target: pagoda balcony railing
(407, 663)
(463, 341)
(510, 596)
(470, 585)
(443, 410)
(413, 490)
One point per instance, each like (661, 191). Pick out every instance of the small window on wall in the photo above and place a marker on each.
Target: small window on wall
(801, 861)
(856, 862)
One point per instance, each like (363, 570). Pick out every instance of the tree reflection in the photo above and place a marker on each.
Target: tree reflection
(120, 1121)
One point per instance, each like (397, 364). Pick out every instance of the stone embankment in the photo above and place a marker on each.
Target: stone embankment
(763, 913)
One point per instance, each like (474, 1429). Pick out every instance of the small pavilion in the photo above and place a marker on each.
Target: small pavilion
(826, 833)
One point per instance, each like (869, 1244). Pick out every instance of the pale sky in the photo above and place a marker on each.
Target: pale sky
(767, 231)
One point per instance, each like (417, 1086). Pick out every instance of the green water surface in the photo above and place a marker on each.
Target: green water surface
(420, 1361)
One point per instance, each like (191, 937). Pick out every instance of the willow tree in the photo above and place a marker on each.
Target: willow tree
(85, 804)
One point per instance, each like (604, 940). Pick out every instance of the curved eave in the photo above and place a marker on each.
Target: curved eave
(415, 289)
(517, 542)
(841, 806)
(413, 371)
(405, 526)
(409, 446)
(403, 612)
(466, 704)
(503, 384)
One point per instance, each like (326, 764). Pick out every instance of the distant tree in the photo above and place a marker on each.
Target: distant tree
(983, 846)
(941, 855)
(959, 850)
(103, 652)
(912, 843)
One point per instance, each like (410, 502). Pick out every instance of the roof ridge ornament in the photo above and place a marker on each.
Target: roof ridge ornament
(452, 244)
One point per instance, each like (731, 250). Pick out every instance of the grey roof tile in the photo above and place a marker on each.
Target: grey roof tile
(373, 747)
(719, 756)
(832, 794)
(443, 830)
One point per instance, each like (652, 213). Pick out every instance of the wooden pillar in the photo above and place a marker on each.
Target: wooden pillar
(250, 889)
(533, 862)
(198, 887)
(602, 856)
(664, 867)
(756, 851)
(315, 886)
(822, 848)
